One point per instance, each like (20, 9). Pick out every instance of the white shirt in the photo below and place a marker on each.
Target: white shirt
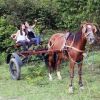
(20, 37)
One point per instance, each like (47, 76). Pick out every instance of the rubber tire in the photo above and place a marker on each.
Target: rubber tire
(18, 69)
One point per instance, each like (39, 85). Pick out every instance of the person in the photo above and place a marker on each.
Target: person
(21, 37)
(31, 34)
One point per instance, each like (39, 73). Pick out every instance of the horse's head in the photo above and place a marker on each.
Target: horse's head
(88, 30)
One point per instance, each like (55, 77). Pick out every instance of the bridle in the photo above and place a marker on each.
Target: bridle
(72, 47)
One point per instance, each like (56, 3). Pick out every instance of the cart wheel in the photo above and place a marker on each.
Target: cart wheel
(15, 69)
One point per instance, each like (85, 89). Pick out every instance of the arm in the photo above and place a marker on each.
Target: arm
(35, 21)
(33, 25)
(27, 38)
(17, 33)
(14, 36)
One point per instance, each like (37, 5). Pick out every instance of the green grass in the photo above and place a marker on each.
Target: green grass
(43, 89)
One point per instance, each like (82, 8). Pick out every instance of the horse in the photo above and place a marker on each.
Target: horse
(72, 48)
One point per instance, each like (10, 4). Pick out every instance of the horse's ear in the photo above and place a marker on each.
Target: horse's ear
(94, 29)
(83, 28)
(83, 23)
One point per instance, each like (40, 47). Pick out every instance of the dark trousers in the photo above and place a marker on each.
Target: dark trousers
(24, 44)
(36, 40)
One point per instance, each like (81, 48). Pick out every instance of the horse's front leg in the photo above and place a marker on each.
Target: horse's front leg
(80, 75)
(50, 67)
(72, 64)
(58, 65)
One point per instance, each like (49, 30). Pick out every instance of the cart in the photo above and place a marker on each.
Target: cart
(17, 58)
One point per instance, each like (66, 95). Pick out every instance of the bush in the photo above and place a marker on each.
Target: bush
(5, 32)
(2, 58)
(36, 75)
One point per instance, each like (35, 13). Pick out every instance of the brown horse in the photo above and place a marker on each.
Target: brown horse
(73, 47)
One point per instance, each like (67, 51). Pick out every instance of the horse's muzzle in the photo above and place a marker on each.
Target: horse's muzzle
(91, 40)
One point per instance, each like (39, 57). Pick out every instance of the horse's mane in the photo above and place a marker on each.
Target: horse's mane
(78, 36)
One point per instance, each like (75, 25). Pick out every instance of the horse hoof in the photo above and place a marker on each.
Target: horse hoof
(82, 88)
(60, 78)
(59, 75)
(70, 90)
(50, 79)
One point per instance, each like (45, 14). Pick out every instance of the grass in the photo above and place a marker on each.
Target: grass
(43, 89)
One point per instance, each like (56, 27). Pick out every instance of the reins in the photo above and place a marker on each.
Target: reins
(81, 51)
(78, 50)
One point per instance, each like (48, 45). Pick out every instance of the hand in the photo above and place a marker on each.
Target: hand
(13, 36)
(28, 40)
(35, 20)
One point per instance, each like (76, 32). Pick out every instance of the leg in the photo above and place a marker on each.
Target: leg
(72, 64)
(23, 44)
(80, 75)
(38, 40)
(34, 40)
(29, 44)
(50, 67)
(58, 65)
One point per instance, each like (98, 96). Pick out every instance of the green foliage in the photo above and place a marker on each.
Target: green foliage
(36, 74)
(2, 58)
(51, 13)
(5, 32)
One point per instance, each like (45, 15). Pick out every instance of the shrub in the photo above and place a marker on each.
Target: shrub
(2, 58)
(5, 32)
(36, 74)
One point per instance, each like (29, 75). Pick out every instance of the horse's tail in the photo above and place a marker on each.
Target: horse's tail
(53, 62)
(46, 60)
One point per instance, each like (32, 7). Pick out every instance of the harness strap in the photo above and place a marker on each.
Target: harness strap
(78, 50)
(71, 46)
(74, 60)
(72, 41)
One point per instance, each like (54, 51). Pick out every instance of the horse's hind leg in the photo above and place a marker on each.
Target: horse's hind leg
(58, 65)
(50, 67)
(72, 64)
(80, 75)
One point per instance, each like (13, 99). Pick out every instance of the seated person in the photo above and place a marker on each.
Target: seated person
(21, 37)
(31, 34)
